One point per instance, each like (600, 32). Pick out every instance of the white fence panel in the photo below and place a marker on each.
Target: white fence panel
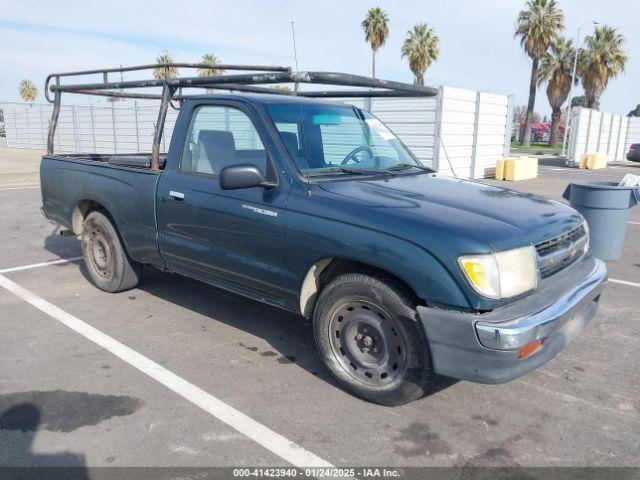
(597, 132)
(457, 131)
(121, 127)
(633, 133)
(492, 124)
(474, 132)
(413, 120)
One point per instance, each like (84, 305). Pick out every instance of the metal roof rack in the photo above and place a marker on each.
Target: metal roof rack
(256, 82)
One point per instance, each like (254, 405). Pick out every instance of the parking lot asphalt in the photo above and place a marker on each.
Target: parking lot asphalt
(84, 405)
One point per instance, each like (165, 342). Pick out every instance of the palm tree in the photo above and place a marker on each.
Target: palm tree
(556, 69)
(421, 47)
(603, 58)
(162, 73)
(579, 101)
(376, 31)
(28, 91)
(537, 26)
(212, 60)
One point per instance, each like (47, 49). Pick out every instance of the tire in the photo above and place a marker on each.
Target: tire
(369, 335)
(110, 267)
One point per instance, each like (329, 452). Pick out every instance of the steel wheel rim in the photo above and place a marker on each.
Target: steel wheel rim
(99, 252)
(368, 343)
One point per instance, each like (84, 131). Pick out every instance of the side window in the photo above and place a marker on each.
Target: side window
(219, 137)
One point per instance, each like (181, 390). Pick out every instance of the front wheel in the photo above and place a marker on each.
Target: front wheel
(368, 334)
(110, 267)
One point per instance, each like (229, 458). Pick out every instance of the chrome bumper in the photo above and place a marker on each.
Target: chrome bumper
(485, 347)
(536, 319)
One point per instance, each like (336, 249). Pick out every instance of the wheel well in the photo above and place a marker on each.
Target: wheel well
(324, 271)
(83, 208)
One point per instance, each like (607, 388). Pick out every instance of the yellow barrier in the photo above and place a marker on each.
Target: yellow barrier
(583, 160)
(500, 168)
(598, 160)
(594, 161)
(517, 168)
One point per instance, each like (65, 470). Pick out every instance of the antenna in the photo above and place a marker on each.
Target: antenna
(302, 138)
(295, 55)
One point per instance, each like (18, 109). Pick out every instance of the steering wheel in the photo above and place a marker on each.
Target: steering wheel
(351, 155)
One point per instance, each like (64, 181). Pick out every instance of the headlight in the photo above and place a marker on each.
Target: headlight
(502, 274)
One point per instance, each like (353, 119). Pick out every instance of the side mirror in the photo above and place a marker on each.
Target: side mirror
(244, 175)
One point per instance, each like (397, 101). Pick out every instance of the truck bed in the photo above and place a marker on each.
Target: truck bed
(123, 184)
(139, 160)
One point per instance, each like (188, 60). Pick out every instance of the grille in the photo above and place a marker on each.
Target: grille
(560, 252)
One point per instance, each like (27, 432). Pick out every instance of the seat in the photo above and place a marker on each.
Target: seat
(217, 150)
(291, 142)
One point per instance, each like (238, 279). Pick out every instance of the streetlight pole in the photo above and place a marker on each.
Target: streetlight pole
(573, 79)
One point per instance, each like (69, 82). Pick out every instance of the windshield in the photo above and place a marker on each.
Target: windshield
(333, 139)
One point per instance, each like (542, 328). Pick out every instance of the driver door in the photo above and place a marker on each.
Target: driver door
(231, 238)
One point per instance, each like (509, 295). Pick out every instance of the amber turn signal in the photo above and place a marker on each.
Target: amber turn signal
(530, 348)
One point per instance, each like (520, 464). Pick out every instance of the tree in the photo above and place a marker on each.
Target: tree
(163, 73)
(537, 26)
(376, 31)
(635, 112)
(520, 115)
(421, 47)
(603, 58)
(28, 91)
(212, 60)
(579, 101)
(556, 69)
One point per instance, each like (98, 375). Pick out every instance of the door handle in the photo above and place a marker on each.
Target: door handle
(179, 196)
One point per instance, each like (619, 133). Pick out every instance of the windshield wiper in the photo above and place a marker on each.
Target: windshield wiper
(354, 171)
(405, 166)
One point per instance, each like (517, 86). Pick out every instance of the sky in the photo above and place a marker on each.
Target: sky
(477, 47)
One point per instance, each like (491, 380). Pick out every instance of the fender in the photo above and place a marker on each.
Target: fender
(322, 240)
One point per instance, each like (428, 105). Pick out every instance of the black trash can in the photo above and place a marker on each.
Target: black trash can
(605, 206)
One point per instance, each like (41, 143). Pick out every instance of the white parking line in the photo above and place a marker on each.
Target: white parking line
(20, 188)
(42, 264)
(634, 223)
(276, 443)
(625, 282)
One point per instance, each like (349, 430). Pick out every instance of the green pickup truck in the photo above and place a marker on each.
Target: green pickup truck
(316, 207)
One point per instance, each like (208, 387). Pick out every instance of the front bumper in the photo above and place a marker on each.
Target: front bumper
(485, 347)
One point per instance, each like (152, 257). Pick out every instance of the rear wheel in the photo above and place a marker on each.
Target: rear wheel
(369, 336)
(109, 266)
